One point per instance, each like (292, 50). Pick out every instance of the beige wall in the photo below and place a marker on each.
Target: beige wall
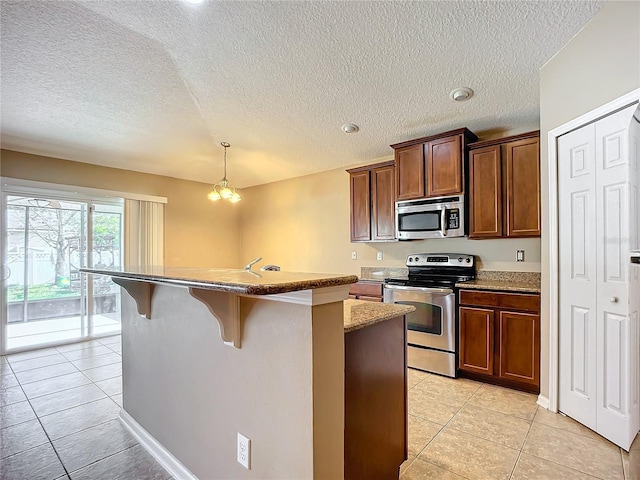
(197, 232)
(600, 64)
(302, 224)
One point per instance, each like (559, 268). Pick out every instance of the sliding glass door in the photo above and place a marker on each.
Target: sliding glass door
(46, 240)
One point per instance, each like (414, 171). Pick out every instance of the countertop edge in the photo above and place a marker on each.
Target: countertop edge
(231, 287)
(360, 314)
(498, 287)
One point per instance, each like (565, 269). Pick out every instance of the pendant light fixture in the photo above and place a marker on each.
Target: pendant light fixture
(223, 189)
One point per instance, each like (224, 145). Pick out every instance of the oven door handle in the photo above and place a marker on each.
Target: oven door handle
(443, 222)
(444, 291)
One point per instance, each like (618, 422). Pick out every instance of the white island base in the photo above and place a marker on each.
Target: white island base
(187, 394)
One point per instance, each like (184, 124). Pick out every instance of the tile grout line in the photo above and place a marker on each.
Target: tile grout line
(515, 465)
(552, 461)
(38, 418)
(442, 429)
(43, 429)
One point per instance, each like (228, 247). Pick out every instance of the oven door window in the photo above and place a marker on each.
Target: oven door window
(419, 221)
(427, 318)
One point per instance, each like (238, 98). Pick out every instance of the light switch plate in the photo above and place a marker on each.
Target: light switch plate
(519, 255)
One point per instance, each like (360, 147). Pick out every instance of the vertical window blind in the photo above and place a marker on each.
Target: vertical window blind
(143, 232)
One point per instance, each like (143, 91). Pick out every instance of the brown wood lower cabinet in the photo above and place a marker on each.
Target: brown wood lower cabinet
(476, 340)
(375, 396)
(500, 338)
(366, 290)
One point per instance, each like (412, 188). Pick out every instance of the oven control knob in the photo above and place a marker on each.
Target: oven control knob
(468, 260)
(410, 259)
(416, 259)
(459, 259)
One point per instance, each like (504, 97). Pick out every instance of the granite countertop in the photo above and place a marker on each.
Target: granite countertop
(360, 313)
(228, 280)
(378, 274)
(526, 282)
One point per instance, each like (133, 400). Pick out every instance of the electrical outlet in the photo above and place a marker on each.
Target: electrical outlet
(519, 255)
(244, 451)
(354, 255)
(379, 255)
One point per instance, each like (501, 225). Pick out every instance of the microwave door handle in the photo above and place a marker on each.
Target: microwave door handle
(443, 222)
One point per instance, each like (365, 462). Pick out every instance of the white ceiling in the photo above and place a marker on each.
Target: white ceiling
(155, 86)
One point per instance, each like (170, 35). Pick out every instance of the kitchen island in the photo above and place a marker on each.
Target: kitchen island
(210, 353)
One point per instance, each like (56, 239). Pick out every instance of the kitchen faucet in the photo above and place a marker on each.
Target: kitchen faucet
(252, 263)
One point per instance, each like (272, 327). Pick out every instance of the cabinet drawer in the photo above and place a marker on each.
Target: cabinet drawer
(512, 301)
(369, 289)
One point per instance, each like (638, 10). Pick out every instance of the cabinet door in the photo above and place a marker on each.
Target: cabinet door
(409, 172)
(523, 188)
(519, 344)
(383, 199)
(476, 340)
(444, 167)
(360, 207)
(485, 193)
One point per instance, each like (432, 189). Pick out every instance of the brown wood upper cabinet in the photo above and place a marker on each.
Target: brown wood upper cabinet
(504, 187)
(431, 166)
(372, 203)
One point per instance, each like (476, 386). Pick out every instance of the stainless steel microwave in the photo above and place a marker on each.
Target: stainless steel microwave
(441, 217)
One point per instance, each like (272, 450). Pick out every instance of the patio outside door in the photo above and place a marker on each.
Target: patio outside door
(47, 240)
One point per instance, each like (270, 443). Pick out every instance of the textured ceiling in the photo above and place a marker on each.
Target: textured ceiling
(155, 86)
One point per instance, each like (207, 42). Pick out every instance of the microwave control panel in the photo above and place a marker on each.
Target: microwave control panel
(453, 219)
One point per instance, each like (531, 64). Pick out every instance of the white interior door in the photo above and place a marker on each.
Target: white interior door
(578, 284)
(596, 358)
(613, 219)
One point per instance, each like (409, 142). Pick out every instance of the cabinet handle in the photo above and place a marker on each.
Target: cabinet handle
(614, 299)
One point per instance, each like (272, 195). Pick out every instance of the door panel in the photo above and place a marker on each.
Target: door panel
(580, 352)
(46, 299)
(360, 207)
(612, 220)
(581, 226)
(597, 293)
(519, 337)
(614, 201)
(523, 188)
(485, 192)
(476, 340)
(410, 172)
(615, 367)
(383, 199)
(577, 281)
(444, 166)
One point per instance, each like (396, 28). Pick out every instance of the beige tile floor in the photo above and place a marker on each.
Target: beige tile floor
(461, 429)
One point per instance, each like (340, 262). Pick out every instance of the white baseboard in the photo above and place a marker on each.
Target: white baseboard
(543, 401)
(170, 463)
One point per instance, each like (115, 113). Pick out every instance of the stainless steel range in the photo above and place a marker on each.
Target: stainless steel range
(429, 287)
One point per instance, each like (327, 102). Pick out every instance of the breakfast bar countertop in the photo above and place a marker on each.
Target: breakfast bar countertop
(238, 281)
(361, 313)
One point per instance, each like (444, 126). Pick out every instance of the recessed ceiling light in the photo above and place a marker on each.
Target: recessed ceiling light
(350, 128)
(194, 2)
(461, 94)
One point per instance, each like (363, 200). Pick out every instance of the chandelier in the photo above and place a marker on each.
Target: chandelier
(223, 189)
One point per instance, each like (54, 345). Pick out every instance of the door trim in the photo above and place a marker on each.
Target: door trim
(552, 149)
